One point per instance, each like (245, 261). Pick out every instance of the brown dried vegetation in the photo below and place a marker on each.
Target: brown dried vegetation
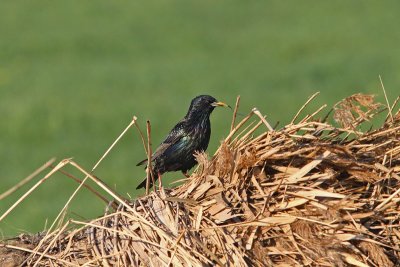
(309, 194)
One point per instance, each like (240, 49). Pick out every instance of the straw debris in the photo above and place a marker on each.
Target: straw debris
(310, 193)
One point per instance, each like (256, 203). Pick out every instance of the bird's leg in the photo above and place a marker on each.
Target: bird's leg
(159, 180)
(186, 173)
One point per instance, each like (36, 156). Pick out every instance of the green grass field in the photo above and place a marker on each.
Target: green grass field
(73, 73)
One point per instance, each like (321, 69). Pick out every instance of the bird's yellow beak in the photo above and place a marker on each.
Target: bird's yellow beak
(220, 104)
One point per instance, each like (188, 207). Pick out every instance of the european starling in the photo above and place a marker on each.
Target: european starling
(191, 134)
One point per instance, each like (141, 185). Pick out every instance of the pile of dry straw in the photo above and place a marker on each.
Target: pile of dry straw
(310, 193)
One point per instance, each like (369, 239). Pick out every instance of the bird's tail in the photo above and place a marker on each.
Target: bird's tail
(143, 183)
(142, 162)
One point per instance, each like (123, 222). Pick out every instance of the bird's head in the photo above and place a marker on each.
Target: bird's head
(204, 105)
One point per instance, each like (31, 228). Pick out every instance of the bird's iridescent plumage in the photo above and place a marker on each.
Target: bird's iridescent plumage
(191, 134)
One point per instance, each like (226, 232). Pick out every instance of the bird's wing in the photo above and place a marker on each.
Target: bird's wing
(176, 134)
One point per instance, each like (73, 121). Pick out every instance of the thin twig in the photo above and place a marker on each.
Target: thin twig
(235, 113)
(262, 118)
(33, 188)
(141, 137)
(27, 179)
(115, 142)
(386, 98)
(79, 181)
(149, 170)
(303, 107)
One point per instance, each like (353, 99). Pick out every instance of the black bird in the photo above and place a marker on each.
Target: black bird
(191, 134)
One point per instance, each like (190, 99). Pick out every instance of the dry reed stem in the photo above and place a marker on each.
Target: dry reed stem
(79, 181)
(33, 188)
(304, 106)
(27, 179)
(387, 100)
(133, 122)
(149, 173)
(235, 110)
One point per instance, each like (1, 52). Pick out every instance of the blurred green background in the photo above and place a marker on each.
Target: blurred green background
(73, 73)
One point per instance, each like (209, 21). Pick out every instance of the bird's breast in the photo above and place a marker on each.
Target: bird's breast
(201, 136)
